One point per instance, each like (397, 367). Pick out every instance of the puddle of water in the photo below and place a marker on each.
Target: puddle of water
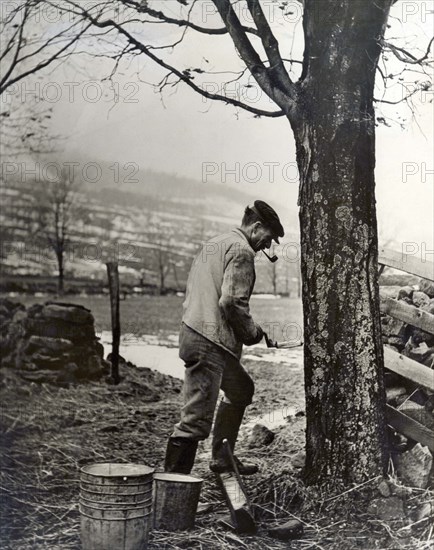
(146, 352)
(161, 353)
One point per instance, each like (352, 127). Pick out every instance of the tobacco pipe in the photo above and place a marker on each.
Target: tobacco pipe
(272, 259)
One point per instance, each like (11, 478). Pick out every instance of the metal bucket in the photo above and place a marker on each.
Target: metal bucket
(115, 506)
(176, 497)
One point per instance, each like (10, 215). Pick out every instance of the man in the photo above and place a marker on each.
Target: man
(215, 325)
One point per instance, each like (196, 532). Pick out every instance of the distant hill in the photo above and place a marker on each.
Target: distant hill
(153, 226)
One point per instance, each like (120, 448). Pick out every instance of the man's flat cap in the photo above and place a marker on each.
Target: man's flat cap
(269, 217)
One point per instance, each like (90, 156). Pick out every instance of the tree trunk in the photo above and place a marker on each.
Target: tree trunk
(345, 438)
(60, 278)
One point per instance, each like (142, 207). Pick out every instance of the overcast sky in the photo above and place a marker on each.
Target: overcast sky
(190, 136)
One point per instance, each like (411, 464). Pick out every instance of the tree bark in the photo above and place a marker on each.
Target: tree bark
(335, 139)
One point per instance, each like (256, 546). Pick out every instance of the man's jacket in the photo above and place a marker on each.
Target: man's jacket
(219, 287)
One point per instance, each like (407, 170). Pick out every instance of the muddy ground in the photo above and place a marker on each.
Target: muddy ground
(48, 433)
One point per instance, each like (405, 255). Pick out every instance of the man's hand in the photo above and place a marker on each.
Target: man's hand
(270, 343)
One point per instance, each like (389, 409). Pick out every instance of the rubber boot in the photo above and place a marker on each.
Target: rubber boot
(227, 424)
(180, 455)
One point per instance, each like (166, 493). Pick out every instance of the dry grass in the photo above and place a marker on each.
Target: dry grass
(49, 433)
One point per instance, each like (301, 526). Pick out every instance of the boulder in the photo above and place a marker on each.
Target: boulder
(414, 466)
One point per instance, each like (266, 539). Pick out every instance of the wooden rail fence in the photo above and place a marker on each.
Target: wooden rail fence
(411, 370)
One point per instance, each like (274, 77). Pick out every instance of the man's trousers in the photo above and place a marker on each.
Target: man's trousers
(208, 368)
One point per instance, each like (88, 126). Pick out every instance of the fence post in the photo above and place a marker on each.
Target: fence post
(113, 280)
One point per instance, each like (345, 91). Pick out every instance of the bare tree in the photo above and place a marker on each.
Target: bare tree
(57, 208)
(29, 45)
(162, 240)
(327, 96)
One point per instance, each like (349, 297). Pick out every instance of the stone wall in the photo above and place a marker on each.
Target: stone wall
(413, 462)
(53, 342)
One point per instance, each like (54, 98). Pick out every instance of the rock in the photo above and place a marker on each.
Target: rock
(414, 466)
(261, 436)
(399, 490)
(59, 329)
(70, 313)
(40, 376)
(430, 307)
(68, 375)
(420, 353)
(405, 292)
(384, 489)
(424, 510)
(35, 310)
(427, 287)
(19, 315)
(396, 342)
(54, 344)
(387, 509)
(429, 403)
(299, 459)
(47, 361)
(420, 336)
(4, 312)
(395, 327)
(292, 529)
(420, 299)
(394, 392)
(99, 350)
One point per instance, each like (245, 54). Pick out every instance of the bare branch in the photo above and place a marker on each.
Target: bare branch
(271, 46)
(6, 81)
(285, 100)
(405, 56)
(183, 76)
(141, 7)
(406, 97)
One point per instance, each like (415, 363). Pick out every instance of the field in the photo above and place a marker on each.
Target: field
(161, 315)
